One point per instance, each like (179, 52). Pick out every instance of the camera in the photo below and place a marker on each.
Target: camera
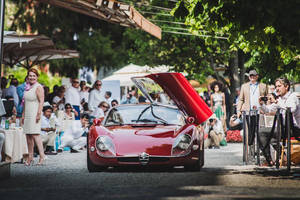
(264, 98)
(211, 120)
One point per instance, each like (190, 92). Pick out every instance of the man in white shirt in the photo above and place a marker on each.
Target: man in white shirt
(48, 132)
(95, 96)
(214, 129)
(72, 96)
(72, 137)
(286, 99)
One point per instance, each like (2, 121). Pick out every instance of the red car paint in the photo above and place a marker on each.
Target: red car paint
(156, 140)
(183, 94)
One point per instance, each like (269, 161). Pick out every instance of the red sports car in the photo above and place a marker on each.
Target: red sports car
(161, 132)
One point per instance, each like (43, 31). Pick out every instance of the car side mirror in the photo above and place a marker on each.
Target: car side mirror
(97, 121)
(190, 120)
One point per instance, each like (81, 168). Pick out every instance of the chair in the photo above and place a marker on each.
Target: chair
(8, 106)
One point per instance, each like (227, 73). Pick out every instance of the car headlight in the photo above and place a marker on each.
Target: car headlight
(181, 144)
(105, 146)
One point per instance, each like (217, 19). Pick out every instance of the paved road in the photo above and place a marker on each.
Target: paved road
(223, 177)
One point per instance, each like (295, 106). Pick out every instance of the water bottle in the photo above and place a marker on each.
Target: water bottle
(7, 124)
(17, 122)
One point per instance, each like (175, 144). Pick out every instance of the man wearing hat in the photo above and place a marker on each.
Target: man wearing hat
(214, 129)
(249, 100)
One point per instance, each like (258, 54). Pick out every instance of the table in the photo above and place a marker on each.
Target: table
(15, 144)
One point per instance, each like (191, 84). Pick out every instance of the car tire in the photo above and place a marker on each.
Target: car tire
(90, 165)
(199, 164)
(202, 155)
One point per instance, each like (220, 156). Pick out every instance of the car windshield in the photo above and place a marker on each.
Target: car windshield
(144, 114)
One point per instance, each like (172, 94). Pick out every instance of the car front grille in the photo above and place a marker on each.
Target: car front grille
(136, 159)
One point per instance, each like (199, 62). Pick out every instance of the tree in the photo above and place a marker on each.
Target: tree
(100, 43)
(268, 31)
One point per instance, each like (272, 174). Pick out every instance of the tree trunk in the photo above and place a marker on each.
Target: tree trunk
(234, 80)
(242, 69)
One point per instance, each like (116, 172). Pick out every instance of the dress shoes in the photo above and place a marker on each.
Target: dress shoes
(50, 153)
(74, 151)
(59, 151)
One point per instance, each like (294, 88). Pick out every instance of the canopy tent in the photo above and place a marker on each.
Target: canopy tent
(111, 11)
(124, 74)
(10, 37)
(31, 50)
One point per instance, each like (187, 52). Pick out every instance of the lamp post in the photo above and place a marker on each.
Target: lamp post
(2, 11)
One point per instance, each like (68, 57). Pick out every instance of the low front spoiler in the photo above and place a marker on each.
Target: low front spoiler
(188, 159)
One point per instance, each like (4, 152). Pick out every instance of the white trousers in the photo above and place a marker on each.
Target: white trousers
(48, 139)
(69, 141)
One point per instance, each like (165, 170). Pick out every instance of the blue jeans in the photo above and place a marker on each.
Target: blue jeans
(77, 108)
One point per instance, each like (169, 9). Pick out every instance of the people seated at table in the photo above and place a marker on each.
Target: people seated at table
(73, 136)
(2, 138)
(215, 132)
(48, 131)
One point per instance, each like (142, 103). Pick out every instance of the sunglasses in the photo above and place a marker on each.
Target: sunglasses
(68, 107)
(98, 84)
(105, 106)
(75, 81)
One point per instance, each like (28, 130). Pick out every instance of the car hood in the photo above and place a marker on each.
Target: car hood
(156, 141)
(180, 91)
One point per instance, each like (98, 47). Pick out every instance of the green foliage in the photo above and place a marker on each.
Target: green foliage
(49, 81)
(102, 48)
(44, 78)
(268, 31)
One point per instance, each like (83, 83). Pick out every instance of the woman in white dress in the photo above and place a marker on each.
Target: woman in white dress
(31, 117)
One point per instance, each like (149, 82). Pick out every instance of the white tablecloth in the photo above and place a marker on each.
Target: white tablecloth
(15, 144)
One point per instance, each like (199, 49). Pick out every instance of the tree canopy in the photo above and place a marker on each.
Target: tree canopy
(199, 37)
(267, 31)
(99, 43)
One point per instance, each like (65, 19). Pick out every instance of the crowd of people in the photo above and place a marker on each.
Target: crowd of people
(55, 121)
(253, 98)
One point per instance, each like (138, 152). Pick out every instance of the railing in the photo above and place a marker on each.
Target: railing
(251, 150)
(284, 132)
